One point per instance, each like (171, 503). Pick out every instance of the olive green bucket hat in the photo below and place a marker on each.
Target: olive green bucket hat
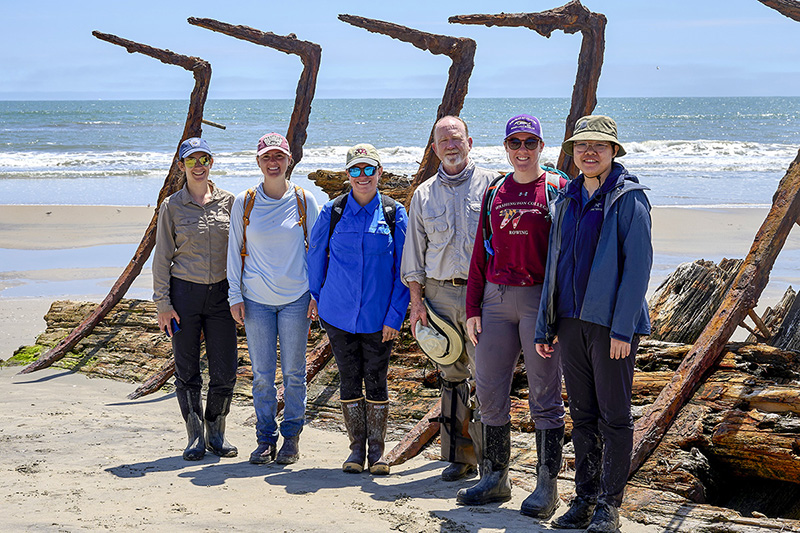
(594, 128)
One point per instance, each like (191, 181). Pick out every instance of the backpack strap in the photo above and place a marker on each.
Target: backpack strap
(486, 208)
(389, 211)
(553, 186)
(336, 212)
(249, 202)
(301, 211)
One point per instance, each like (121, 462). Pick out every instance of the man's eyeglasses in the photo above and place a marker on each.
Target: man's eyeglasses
(598, 148)
(190, 162)
(356, 171)
(531, 143)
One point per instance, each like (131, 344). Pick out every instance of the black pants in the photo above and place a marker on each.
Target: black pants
(204, 308)
(361, 358)
(599, 390)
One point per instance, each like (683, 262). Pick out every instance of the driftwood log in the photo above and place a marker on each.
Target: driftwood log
(572, 17)
(201, 70)
(738, 302)
(460, 50)
(309, 53)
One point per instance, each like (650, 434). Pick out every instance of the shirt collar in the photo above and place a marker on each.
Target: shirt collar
(370, 208)
(186, 196)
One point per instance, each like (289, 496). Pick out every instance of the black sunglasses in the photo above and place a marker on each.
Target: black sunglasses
(531, 143)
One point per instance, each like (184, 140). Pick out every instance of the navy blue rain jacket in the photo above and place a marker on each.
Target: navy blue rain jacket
(616, 284)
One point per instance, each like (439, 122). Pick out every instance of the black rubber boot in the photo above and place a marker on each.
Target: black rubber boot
(191, 404)
(290, 451)
(494, 485)
(578, 516)
(217, 409)
(542, 503)
(605, 519)
(355, 419)
(377, 417)
(457, 444)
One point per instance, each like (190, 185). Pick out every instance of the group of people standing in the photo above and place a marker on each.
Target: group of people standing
(527, 263)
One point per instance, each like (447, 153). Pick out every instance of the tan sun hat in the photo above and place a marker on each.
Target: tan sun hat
(594, 128)
(440, 341)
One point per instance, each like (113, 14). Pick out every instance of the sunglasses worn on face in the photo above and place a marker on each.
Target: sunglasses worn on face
(597, 148)
(356, 171)
(191, 161)
(515, 144)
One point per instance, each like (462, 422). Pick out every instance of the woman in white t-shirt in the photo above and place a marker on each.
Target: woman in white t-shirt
(269, 294)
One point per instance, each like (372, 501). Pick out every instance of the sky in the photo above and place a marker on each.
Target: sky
(653, 48)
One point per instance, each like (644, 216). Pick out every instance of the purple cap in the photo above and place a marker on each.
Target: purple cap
(192, 145)
(524, 124)
(273, 141)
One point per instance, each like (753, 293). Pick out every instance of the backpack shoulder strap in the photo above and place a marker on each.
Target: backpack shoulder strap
(486, 208)
(249, 202)
(553, 178)
(337, 209)
(389, 211)
(301, 211)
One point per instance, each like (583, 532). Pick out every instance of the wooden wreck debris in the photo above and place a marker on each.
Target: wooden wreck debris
(201, 71)
(415, 440)
(684, 303)
(742, 297)
(460, 50)
(788, 8)
(570, 18)
(336, 182)
(155, 381)
(784, 320)
(309, 53)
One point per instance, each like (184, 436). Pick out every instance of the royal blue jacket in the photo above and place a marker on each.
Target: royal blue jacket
(355, 277)
(612, 291)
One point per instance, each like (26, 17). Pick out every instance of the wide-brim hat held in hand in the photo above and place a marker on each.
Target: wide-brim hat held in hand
(439, 340)
(594, 128)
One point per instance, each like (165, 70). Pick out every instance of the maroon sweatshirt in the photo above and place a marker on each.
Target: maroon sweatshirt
(520, 228)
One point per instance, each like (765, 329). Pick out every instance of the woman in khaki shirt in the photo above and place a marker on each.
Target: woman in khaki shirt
(191, 293)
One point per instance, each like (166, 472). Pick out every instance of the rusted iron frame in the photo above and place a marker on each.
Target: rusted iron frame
(201, 70)
(788, 8)
(460, 50)
(415, 439)
(572, 17)
(154, 381)
(742, 297)
(309, 53)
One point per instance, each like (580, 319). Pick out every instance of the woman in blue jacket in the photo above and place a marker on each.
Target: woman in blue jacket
(354, 276)
(593, 305)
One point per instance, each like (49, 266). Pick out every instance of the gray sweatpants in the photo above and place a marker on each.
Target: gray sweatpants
(508, 323)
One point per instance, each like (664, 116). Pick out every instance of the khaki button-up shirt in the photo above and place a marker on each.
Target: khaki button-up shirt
(442, 224)
(191, 242)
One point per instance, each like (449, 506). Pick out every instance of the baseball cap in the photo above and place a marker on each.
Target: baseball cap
(192, 145)
(362, 153)
(524, 124)
(273, 141)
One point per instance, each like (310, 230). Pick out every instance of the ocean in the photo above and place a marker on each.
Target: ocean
(691, 152)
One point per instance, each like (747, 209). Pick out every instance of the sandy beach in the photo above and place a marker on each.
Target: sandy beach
(79, 456)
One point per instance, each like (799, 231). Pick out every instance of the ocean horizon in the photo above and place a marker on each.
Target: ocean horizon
(691, 152)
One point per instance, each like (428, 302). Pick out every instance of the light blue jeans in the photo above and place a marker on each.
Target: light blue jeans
(265, 324)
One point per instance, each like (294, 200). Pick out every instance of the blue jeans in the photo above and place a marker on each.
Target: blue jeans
(264, 325)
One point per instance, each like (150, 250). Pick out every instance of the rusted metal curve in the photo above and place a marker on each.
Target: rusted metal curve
(201, 71)
(310, 54)
(572, 17)
(460, 50)
(788, 8)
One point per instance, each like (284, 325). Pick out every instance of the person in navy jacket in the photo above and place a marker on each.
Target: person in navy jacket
(593, 305)
(354, 276)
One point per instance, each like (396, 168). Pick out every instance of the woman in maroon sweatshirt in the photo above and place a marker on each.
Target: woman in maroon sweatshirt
(503, 294)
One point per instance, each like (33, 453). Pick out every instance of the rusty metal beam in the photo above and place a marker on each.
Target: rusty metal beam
(460, 50)
(309, 53)
(788, 8)
(415, 439)
(201, 70)
(743, 296)
(572, 17)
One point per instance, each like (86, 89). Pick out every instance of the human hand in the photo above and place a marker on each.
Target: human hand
(473, 328)
(545, 350)
(237, 310)
(418, 314)
(312, 309)
(389, 333)
(620, 349)
(165, 319)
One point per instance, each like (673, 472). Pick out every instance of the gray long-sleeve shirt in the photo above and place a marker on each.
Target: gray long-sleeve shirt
(442, 224)
(191, 242)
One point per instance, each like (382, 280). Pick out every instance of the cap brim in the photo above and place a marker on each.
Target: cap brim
(269, 148)
(194, 151)
(357, 160)
(591, 136)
